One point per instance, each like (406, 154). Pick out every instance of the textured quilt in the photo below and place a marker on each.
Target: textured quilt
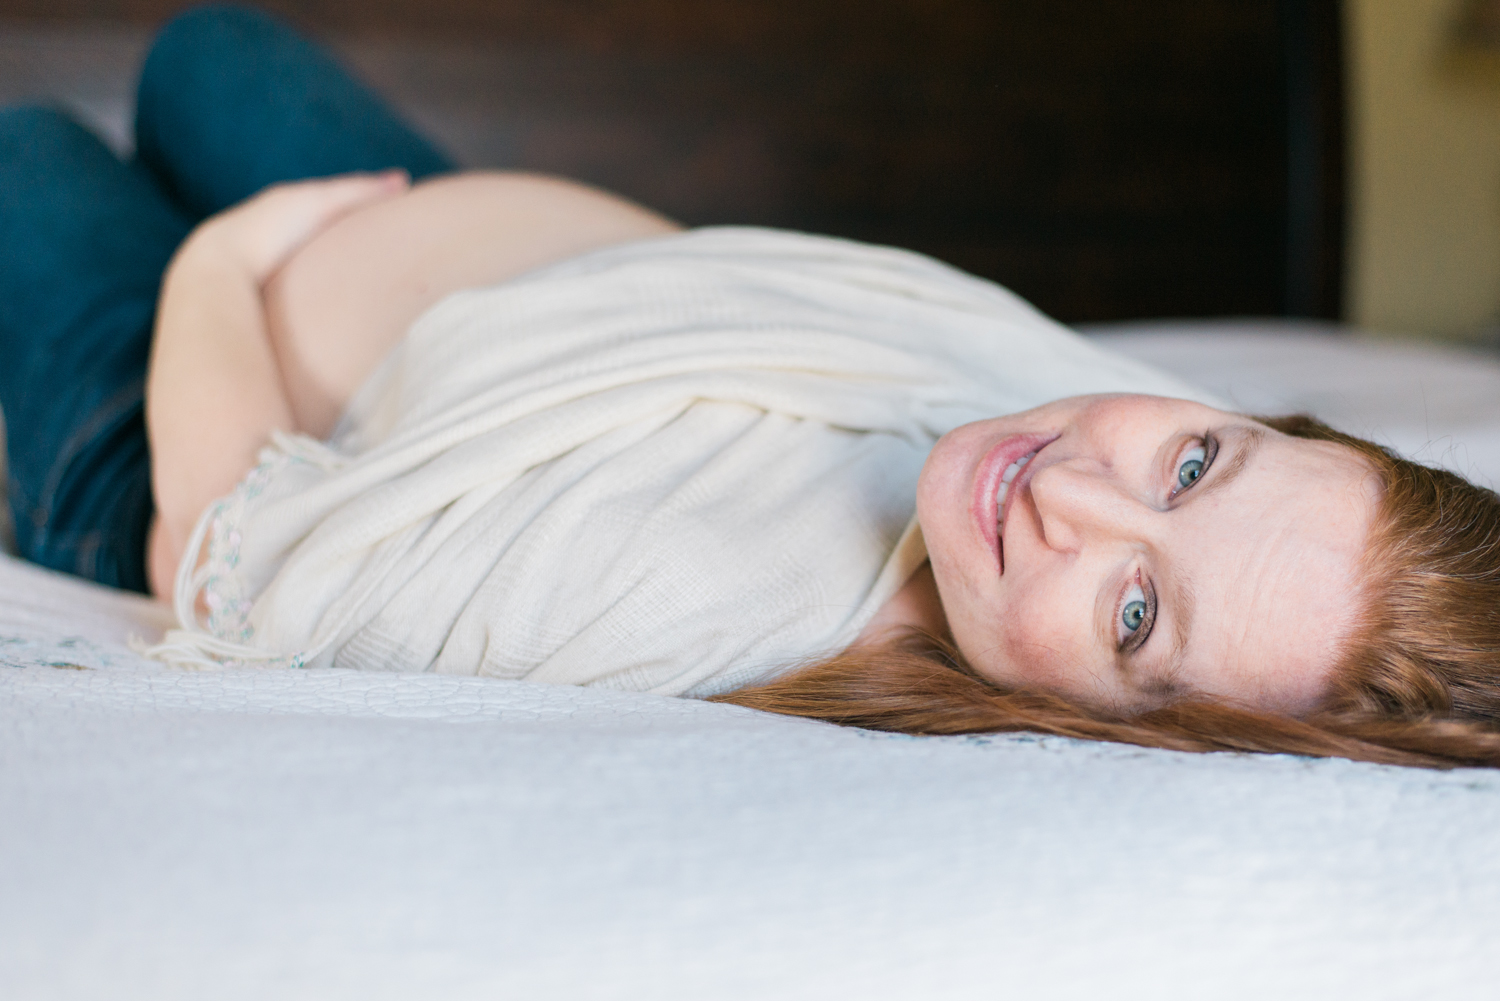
(324, 834)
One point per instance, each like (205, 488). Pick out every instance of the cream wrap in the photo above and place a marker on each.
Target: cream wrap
(672, 466)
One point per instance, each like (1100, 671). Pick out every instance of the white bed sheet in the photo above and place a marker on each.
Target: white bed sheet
(1437, 403)
(327, 834)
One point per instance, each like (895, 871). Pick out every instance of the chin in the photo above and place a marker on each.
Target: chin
(941, 474)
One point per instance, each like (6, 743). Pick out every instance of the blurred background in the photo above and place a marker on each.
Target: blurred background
(1112, 159)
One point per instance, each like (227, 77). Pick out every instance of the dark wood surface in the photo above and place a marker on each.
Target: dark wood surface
(1107, 159)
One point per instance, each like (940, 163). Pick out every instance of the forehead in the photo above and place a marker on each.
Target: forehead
(1273, 562)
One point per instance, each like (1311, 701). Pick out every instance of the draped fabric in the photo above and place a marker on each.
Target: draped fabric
(676, 466)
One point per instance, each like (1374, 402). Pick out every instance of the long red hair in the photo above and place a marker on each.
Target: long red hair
(1418, 684)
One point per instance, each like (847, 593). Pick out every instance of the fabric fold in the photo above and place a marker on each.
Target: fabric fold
(677, 466)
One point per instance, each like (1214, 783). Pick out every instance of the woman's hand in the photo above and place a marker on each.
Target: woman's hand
(214, 390)
(260, 233)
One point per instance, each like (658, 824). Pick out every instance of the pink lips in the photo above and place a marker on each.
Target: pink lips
(987, 515)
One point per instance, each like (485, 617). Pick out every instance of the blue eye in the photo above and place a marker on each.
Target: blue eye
(1191, 468)
(1134, 616)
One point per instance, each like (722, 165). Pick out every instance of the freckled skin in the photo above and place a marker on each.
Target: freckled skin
(1273, 555)
(274, 312)
(287, 302)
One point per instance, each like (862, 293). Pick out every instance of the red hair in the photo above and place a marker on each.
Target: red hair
(1418, 684)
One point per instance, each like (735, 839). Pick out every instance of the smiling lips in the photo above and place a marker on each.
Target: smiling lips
(1010, 474)
(997, 472)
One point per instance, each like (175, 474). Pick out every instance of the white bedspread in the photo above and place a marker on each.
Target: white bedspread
(1437, 403)
(324, 834)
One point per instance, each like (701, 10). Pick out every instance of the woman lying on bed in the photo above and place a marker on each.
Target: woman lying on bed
(509, 425)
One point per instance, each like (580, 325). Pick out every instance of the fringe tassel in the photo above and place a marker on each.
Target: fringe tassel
(193, 646)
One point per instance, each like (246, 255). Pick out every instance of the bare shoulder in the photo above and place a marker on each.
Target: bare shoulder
(344, 300)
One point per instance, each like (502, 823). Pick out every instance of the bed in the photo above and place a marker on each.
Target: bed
(315, 834)
(335, 833)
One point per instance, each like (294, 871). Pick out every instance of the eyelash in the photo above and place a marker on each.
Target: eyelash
(1210, 446)
(1135, 640)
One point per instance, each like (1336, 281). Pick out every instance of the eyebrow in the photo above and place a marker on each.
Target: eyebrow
(1185, 599)
(1249, 441)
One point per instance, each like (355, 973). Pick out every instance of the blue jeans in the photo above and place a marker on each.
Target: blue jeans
(229, 102)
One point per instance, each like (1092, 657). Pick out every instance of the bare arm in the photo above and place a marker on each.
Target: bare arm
(214, 391)
(274, 312)
(349, 295)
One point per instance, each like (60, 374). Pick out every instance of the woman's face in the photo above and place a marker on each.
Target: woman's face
(1148, 548)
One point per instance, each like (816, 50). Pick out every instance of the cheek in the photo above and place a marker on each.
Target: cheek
(972, 617)
(1014, 643)
(1041, 638)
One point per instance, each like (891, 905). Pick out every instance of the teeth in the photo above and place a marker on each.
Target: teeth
(1015, 467)
(1010, 474)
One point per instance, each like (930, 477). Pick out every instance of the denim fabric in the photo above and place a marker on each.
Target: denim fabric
(230, 101)
(83, 242)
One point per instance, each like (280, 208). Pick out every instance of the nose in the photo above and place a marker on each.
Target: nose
(1080, 503)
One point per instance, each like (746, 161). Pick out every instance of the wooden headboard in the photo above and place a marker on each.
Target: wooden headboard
(1107, 159)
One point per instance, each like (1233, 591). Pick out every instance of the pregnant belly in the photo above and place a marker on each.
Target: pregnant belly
(346, 298)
